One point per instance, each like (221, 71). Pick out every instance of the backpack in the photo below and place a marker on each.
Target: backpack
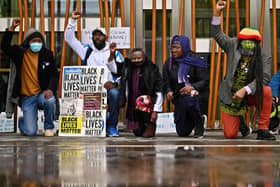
(89, 50)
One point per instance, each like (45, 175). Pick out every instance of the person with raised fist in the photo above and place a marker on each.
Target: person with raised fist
(247, 77)
(99, 53)
(36, 79)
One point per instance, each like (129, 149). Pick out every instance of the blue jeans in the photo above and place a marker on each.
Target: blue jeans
(30, 105)
(113, 104)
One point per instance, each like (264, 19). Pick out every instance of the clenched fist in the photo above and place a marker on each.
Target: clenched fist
(76, 14)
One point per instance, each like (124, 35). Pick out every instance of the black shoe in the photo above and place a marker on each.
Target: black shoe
(243, 128)
(265, 135)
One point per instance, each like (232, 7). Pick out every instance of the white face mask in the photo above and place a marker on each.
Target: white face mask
(36, 46)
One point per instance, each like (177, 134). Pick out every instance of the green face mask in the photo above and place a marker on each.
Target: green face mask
(248, 44)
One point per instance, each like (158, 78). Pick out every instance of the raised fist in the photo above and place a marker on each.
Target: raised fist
(219, 7)
(15, 23)
(76, 14)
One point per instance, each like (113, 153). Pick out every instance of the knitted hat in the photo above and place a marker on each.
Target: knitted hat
(249, 34)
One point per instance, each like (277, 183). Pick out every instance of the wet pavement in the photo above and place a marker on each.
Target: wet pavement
(166, 160)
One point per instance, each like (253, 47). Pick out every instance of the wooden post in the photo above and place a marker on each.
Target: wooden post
(114, 4)
(106, 18)
(154, 12)
(274, 36)
(42, 17)
(181, 19)
(101, 13)
(226, 32)
(211, 73)
(247, 10)
(262, 19)
(131, 24)
(25, 17)
(164, 43)
(63, 46)
(217, 80)
(122, 20)
(33, 14)
(193, 27)
(52, 28)
(237, 17)
(21, 22)
(225, 55)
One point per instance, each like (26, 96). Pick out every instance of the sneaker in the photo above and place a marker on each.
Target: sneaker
(49, 132)
(198, 136)
(113, 132)
(244, 128)
(265, 135)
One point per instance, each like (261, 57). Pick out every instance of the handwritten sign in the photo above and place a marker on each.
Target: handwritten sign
(121, 36)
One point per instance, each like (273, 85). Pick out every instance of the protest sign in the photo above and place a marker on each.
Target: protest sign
(165, 123)
(84, 99)
(121, 36)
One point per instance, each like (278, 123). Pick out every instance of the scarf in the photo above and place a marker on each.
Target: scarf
(186, 60)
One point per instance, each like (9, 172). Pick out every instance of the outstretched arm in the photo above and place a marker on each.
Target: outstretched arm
(7, 38)
(223, 40)
(70, 37)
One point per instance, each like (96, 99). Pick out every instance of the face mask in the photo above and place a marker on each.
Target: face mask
(138, 64)
(36, 46)
(248, 44)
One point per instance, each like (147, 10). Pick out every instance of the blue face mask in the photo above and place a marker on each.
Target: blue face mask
(36, 46)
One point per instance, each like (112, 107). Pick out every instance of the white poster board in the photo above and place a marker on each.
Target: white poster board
(165, 123)
(6, 124)
(121, 36)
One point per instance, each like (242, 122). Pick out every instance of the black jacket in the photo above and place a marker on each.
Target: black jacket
(150, 80)
(47, 71)
(198, 77)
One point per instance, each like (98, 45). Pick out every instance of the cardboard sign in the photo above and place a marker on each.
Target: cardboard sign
(84, 101)
(121, 36)
(6, 124)
(165, 123)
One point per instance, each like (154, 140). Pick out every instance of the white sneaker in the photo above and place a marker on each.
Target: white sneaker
(49, 132)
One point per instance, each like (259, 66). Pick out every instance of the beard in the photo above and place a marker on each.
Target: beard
(99, 44)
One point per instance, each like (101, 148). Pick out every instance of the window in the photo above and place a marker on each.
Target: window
(204, 12)
(148, 34)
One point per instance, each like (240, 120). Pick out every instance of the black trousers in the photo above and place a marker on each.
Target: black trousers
(187, 116)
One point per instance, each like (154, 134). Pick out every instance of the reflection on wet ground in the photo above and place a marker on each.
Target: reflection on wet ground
(161, 161)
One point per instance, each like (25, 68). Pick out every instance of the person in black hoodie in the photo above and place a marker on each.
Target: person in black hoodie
(36, 79)
(185, 76)
(141, 88)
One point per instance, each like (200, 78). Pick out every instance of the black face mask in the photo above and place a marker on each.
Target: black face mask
(99, 44)
(138, 64)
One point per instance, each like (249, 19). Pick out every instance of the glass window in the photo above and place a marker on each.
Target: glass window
(148, 34)
(89, 8)
(204, 12)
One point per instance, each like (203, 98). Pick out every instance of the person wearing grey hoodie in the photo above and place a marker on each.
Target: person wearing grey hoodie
(36, 78)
